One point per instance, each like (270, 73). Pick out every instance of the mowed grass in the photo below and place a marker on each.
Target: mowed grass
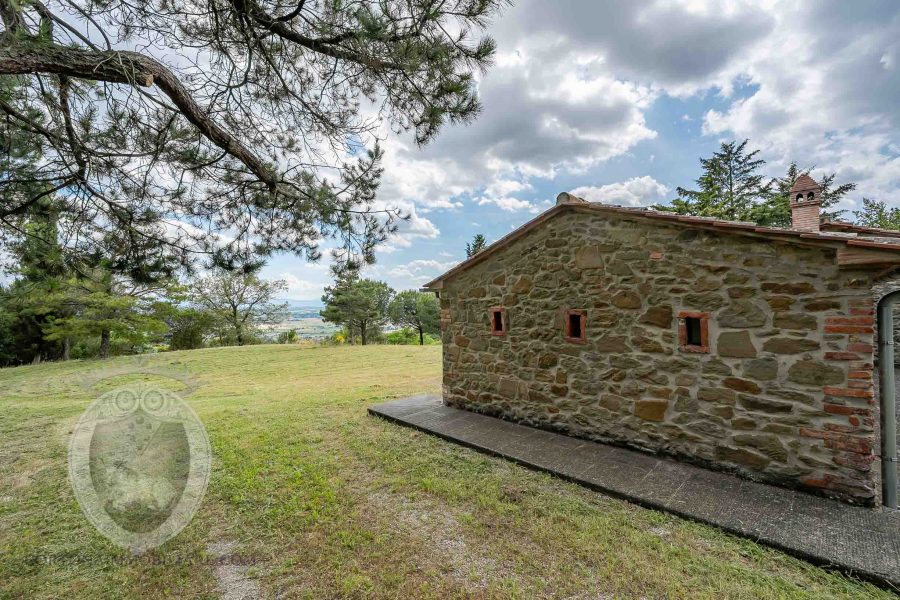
(328, 502)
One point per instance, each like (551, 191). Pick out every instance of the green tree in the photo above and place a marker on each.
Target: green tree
(189, 327)
(234, 115)
(40, 274)
(775, 210)
(418, 310)
(241, 301)
(361, 305)
(8, 354)
(94, 310)
(878, 214)
(31, 238)
(56, 308)
(729, 187)
(478, 244)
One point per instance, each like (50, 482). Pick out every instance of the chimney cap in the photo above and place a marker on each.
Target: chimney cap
(805, 183)
(567, 198)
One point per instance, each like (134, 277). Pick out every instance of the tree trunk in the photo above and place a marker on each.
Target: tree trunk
(104, 343)
(421, 336)
(362, 334)
(238, 329)
(67, 348)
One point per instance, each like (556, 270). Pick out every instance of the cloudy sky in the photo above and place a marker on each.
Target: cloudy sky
(617, 99)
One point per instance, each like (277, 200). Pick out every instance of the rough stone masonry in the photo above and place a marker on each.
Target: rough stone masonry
(782, 393)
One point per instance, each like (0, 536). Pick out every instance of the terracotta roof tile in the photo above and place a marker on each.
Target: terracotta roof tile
(844, 226)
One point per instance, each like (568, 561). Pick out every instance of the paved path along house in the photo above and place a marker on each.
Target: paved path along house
(859, 541)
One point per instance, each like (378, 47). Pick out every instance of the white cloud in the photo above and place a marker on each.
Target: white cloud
(416, 272)
(419, 266)
(811, 81)
(504, 187)
(302, 289)
(825, 94)
(416, 227)
(675, 45)
(637, 191)
(498, 193)
(551, 105)
(508, 203)
(409, 177)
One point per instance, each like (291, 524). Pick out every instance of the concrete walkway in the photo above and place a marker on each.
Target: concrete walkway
(861, 542)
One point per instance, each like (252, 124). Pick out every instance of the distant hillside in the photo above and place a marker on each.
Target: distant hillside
(304, 309)
(292, 303)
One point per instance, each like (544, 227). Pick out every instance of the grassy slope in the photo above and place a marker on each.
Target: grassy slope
(334, 503)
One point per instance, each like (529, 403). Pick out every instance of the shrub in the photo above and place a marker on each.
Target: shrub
(410, 337)
(288, 337)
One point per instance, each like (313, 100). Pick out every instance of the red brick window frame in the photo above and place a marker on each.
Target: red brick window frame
(693, 331)
(576, 325)
(498, 320)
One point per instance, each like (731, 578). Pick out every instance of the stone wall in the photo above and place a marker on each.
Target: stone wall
(784, 394)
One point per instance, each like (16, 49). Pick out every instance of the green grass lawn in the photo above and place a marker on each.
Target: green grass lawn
(328, 502)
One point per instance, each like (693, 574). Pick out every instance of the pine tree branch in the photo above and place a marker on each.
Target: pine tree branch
(325, 46)
(129, 68)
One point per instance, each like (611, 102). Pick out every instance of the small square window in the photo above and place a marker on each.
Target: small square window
(575, 326)
(498, 320)
(693, 331)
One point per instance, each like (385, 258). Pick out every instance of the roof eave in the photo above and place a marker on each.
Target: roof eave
(802, 238)
(853, 227)
(437, 282)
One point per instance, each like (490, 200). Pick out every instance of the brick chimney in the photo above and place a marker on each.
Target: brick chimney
(806, 197)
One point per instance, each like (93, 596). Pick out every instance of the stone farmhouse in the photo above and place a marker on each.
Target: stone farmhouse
(733, 346)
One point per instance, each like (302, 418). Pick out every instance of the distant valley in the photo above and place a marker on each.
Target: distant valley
(305, 319)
